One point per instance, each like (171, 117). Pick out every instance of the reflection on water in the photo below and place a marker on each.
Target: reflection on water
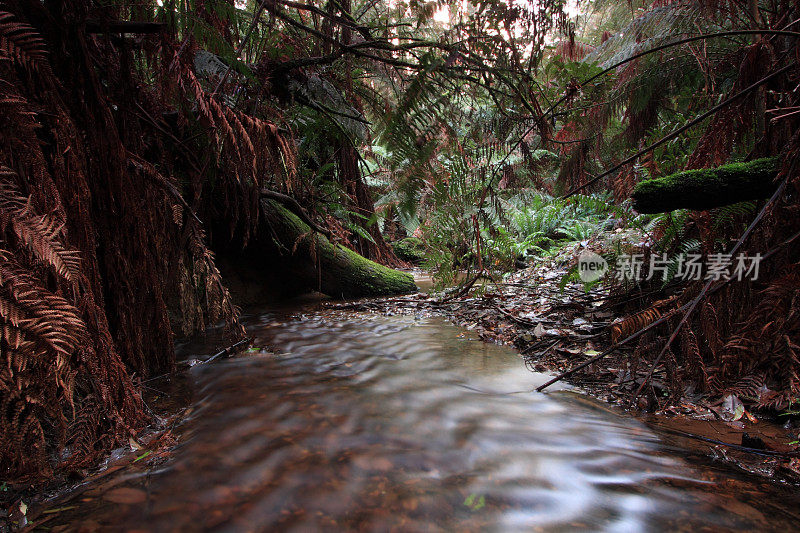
(392, 423)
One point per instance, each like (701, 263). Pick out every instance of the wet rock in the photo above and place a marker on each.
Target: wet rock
(754, 442)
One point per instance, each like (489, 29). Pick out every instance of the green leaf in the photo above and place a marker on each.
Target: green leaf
(481, 503)
(361, 232)
(145, 454)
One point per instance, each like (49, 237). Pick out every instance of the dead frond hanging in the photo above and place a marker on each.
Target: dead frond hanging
(41, 331)
(21, 43)
(768, 340)
(642, 319)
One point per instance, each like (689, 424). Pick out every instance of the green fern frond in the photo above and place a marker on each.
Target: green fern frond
(728, 216)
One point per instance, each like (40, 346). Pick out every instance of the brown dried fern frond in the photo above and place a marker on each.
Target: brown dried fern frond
(195, 89)
(622, 183)
(642, 319)
(747, 387)
(242, 135)
(39, 314)
(41, 235)
(693, 359)
(39, 334)
(207, 278)
(21, 43)
(41, 329)
(767, 340)
(710, 328)
(204, 298)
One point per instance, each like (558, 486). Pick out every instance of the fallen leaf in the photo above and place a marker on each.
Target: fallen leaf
(732, 408)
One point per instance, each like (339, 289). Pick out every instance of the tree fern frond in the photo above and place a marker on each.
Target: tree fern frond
(37, 313)
(654, 27)
(21, 43)
(727, 216)
(41, 234)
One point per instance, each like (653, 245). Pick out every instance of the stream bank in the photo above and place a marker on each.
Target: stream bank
(556, 327)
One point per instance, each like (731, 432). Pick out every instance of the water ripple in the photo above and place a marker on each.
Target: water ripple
(376, 424)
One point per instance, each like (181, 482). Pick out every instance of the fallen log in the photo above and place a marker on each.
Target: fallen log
(704, 189)
(329, 268)
(296, 208)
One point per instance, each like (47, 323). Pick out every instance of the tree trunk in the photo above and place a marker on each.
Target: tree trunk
(704, 189)
(362, 204)
(329, 268)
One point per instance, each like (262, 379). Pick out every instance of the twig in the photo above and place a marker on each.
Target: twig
(467, 286)
(738, 447)
(253, 23)
(680, 130)
(609, 349)
(705, 292)
(514, 317)
(230, 350)
(549, 347)
(541, 119)
(685, 40)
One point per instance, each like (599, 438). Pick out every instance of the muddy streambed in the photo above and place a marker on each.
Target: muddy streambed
(374, 423)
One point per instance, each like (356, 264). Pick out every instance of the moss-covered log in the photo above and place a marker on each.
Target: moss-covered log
(707, 188)
(330, 268)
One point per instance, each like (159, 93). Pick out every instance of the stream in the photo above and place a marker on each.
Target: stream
(374, 423)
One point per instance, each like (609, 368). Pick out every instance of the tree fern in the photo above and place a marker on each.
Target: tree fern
(40, 234)
(730, 216)
(21, 43)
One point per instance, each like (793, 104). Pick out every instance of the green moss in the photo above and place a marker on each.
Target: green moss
(410, 249)
(707, 188)
(374, 279)
(342, 272)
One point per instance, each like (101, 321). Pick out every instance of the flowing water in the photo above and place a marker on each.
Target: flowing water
(376, 423)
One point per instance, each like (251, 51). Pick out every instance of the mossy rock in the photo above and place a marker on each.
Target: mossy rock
(410, 249)
(708, 188)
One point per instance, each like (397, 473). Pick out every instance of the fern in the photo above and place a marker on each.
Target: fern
(40, 234)
(21, 43)
(579, 231)
(40, 330)
(653, 27)
(732, 216)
